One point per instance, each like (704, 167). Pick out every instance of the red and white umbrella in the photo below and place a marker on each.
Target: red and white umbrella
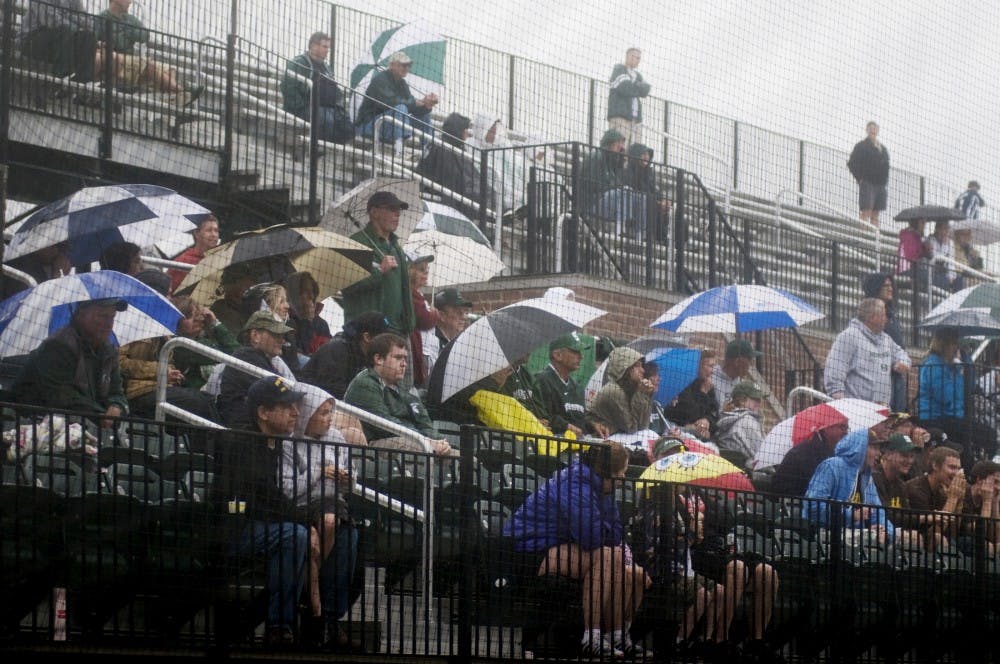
(856, 413)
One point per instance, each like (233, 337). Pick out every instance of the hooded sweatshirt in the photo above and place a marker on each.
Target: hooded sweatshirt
(639, 176)
(455, 171)
(619, 405)
(843, 478)
(303, 461)
(603, 169)
(738, 430)
(860, 363)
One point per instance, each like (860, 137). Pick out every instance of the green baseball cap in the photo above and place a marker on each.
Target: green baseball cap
(571, 341)
(748, 390)
(740, 348)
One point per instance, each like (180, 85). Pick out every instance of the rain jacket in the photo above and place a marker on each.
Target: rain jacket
(459, 173)
(335, 364)
(860, 363)
(389, 292)
(869, 163)
(942, 389)
(739, 430)
(385, 92)
(618, 404)
(569, 508)
(126, 31)
(367, 391)
(627, 87)
(842, 478)
(295, 92)
(870, 286)
(563, 400)
(602, 169)
(303, 461)
(309, 334)
(197, 368)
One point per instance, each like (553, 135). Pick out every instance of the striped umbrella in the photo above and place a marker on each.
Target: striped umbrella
(737, 309)
(273, 253)
(425, 46)
(29, 317)
(500, 338)
(973, 310)
(94, 218)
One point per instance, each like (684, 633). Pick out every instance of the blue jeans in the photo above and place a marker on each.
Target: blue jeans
(285, 546)
(337, 571)
(391, 131)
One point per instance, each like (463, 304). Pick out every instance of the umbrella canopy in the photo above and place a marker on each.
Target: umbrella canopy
(457, 260)
(500, 338)
(984, 231)
(930, 213)
(349, 214)
(973, 310)
(273, 253)
(425, 46)
(855, 413)
(737, 309)
(699, 469)
(94, 218)
(678, 367)
(29, 317)
(444, 218)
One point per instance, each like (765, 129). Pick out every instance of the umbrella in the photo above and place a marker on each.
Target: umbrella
(425, 46)
(457, 260)
(499, 338)
(273, 253)
(930, 213)
(29, 317)
(678, 367)
(709, 470)
(984, 231)
(444, 218)
(856, 413)
(94, 218)
(737, 309)
(349, 213)
(974, 310)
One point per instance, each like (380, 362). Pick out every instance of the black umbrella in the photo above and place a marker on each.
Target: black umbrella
(930, 213)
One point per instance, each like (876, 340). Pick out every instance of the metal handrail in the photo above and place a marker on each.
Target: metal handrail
(23, 277)
(806, 390)
(727, 190)
(781, 221)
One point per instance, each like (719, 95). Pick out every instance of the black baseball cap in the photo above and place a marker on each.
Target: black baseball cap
(118, 303)
(270, 391)
(386, 199)
(450, 297)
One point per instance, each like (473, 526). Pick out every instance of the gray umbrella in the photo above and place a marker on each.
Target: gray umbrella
(930, 213)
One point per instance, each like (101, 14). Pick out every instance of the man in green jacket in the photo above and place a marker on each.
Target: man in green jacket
(377, 390)
(333, 123)
(76, 368)
(388, 288)
(561, 394)
(389, 93)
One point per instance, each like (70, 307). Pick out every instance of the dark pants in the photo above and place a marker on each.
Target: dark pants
(337, 571)
(69, 51)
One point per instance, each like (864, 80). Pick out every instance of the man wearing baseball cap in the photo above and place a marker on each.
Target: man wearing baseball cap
(890, 477)
(557, 390)
(388, 93)
(264, 337)
(249, 490)
(735, 368)
(387, 289)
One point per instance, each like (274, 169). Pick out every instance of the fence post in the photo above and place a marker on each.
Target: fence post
(736, 155)
(590, 112)
(666, 131)
(333, 37)
(107, 96)
(314, 144)
(748, 272)
(572, 231)
(713, 246)
(469, 530)
(652, 213)
(923, 190)
(802, 169)
(680, 228)
(533, 249)
(835, 286)
(6, 55)
(226, 163)
(484, 186)
(511, 89)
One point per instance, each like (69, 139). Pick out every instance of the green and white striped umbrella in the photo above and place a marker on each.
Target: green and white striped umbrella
(420, 41)
(974, 310)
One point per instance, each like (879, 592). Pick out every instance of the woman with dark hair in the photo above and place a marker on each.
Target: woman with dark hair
(882, 285)
(124, 257)
(698, 400)
(571, 527)
(311, 331)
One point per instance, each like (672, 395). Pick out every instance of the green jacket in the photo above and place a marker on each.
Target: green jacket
(65, 372)
(197, 368)
(521, 386)
(388, 293)
(367, 391)
(564, 401)
(295, 92)
(385, 91)
(126, 31)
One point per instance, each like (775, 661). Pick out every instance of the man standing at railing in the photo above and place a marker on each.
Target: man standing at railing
(333, 123)
(389, 94)
(869, 164)
(627, 88)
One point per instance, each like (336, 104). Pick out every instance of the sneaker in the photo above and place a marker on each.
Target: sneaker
(193, 94)
(603, 649)
(279, 637)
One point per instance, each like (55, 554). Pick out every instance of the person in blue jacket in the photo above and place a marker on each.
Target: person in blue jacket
(941, 397)
(847, 477)
(572, 523)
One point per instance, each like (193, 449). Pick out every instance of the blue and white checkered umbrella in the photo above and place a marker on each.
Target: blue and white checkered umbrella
(94, 218)
(29, 317)
(737, 309)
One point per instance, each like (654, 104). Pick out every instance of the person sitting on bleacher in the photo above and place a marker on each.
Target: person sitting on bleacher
(389, 94)
(200, 324)
(264, 337)
(335, 364)
(558, 390)
(316, 473)
(455, 171)
(571, 527)
(624, 403)
(264, 519)
(377, 390)
(132, 71)
(738, 433)
(333, 123)
(61, 33)
(76, 368)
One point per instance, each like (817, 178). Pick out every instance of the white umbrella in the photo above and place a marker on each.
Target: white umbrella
(984, 231)
(349, 214)
(736, 309)
(501, 337)
(29, 317)
(421, 41)
(457, 260)
(444, 218)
